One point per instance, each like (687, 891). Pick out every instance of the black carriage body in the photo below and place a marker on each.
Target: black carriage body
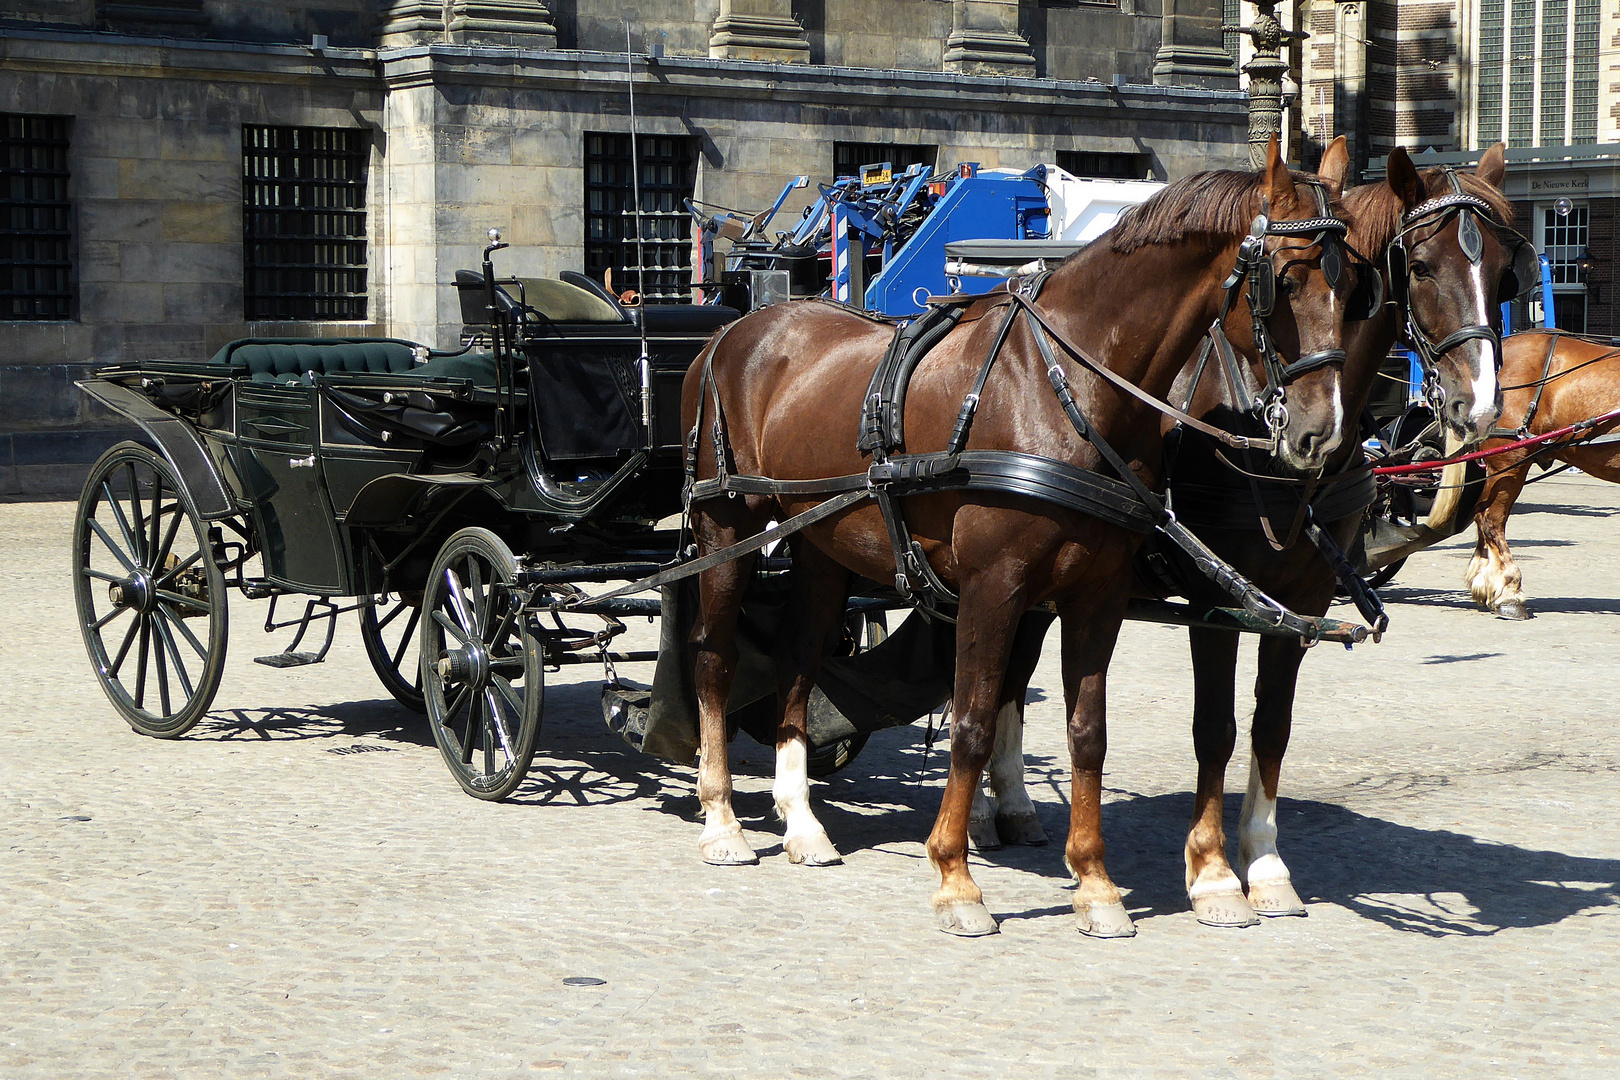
(350, 460)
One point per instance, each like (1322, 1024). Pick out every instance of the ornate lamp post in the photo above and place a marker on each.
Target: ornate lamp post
(1265, 72)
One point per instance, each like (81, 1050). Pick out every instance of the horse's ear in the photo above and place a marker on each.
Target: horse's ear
(1403, 178)
(1279, 182)
(1492, 166)
(1335, 167)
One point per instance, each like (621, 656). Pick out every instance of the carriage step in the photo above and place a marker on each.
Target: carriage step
(289, 659)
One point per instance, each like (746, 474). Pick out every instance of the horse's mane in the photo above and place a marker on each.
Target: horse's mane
(1215, 205)
(1376, 211)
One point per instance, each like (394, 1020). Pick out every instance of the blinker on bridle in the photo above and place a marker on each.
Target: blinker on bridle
(1433, 216)
(1254, 267)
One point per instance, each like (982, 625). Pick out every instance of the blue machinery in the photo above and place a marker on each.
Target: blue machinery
(896, 224)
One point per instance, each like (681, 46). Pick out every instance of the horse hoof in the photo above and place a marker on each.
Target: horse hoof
(983, 836)
(1513, 610)
(728, 850)
(966, 920)
(815, 850)
(1275, 899)
(1021, 829)
(1106, 921)
(1225, 909)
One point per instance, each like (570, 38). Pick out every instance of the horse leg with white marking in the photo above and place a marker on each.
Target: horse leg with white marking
(820, 589)
(1215, 891)
(1010, 817)
(1493, 577)
(1271, 890)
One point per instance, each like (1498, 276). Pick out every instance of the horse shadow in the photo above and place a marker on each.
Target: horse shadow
(1430, 882)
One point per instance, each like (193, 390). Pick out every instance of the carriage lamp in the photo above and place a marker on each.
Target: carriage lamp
(1584, 264)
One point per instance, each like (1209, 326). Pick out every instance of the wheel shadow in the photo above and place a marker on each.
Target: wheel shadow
(379, 719)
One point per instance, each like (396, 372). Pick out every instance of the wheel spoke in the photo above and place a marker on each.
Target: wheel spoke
(480, 601)
(118, 515)
(157, 519)
(490, 724)
(167, 544)
(191, 639)
(107, 618)
(177, 569)
(162, 666)
(123, 650)
(405, 641)
(391, 616)
(101, 575)
(459, 603)
(138, 521)
(140, 660)
(161, 622)
(117, 553)
(509, 693)
(475, 708)
(450, 624)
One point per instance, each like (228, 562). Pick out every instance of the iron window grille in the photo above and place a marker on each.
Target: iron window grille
(304, 223)
(1100, 166)
(36, 268)
(668, 178)
(848, 157)
(1488, 125)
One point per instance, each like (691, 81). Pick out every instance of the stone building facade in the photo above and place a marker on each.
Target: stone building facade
(144, 144)
(1455, 76)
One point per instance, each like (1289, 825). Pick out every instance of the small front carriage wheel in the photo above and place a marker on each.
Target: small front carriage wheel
(388, 628)
(482, 677)
(149, 595)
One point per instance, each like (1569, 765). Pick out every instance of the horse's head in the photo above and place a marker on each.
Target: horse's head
(1450, 265)
(1299, 280)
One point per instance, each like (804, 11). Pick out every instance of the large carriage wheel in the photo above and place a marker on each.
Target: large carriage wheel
(482, 677)
(149, 595)
(861, 632)
(388, 628)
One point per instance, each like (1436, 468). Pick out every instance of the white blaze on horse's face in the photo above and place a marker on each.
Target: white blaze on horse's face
(1486, 364)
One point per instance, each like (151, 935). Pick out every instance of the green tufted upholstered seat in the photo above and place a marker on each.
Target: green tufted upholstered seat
(284, 360)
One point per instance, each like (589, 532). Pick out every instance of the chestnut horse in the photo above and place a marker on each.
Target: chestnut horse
(1568, 380)
(1451, 300)
(780, 394)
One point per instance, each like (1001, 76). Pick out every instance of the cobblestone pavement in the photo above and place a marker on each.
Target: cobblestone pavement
(299, 889)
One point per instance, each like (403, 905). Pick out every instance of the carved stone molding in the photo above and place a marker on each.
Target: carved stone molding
(411, 22)
(985, 40)
(522, 23)
(1191, 50)
(758, 30)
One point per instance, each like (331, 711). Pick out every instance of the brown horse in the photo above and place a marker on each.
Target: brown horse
(789, 383)
(1447, 294)
(1570, 381)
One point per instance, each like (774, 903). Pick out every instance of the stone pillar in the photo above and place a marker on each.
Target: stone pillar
(522, 23)
(1191, 51)
(758, 30)
(160, 18)
(410, 22)
(985, 40)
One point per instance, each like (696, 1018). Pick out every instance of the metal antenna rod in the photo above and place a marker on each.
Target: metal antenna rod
(641, 244)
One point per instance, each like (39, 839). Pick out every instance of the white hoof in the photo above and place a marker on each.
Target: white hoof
(728, 849)
(812, 850)
(966, 920)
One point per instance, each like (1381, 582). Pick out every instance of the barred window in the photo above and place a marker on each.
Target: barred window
(1100, 166)
(304, 223)
(1564, 239)
(848, 157)
(668, 178)
(36, 269)
(1488, 124)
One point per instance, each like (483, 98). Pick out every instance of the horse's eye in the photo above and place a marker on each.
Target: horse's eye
(1286, 286)
(1419, 268)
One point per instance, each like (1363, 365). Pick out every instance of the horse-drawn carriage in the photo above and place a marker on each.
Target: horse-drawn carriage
(468, 501)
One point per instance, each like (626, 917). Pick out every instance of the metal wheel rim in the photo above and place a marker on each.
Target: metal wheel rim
(174, 635)
(398, 665)
(484, 720)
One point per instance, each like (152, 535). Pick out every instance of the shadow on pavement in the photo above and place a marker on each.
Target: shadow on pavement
(381, 719)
